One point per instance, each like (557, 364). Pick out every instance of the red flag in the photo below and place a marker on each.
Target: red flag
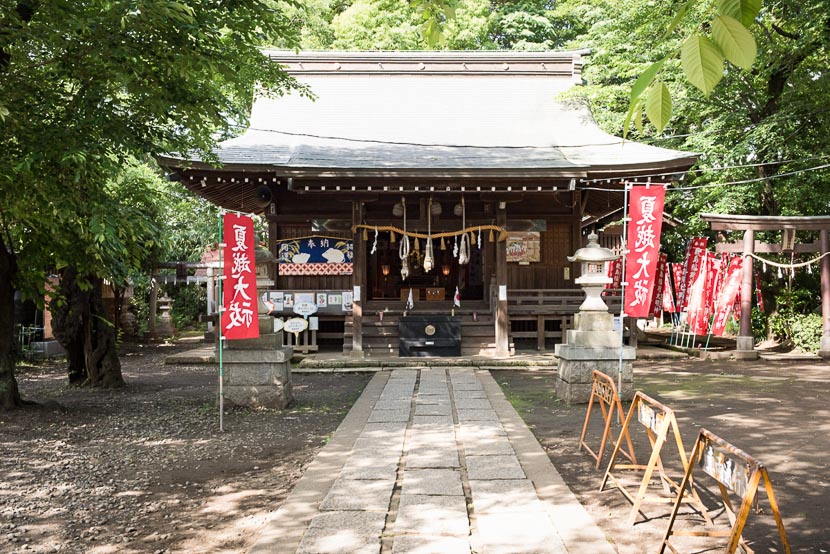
(615, 274)
(729, 295)
(691, 267)
(659, 283)
(239, 298)
(677, 277)
(712, 276)
(643, 241)
(696, 293)
(668, 296)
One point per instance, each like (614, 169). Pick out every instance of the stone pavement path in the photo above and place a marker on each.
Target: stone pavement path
(432, 460)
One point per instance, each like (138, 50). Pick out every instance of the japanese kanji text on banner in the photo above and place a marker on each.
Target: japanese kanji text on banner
(646, 212)
(239, 298)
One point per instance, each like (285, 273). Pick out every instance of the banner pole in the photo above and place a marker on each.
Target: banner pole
(219, 328)
(624, 252)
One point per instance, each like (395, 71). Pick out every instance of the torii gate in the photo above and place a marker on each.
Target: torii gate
(788, 225)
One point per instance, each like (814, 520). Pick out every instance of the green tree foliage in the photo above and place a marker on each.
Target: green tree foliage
(84, 86)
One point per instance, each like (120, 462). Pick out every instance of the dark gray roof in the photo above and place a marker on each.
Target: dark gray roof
(388, 113)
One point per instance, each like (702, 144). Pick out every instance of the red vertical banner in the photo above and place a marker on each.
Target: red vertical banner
(691, 268)
(677, 278)
(696, 293)
(668, 292)
(615, 274)
(645, 210)
(659, 283)
(713, 265)
(729, 294)
(239, 298)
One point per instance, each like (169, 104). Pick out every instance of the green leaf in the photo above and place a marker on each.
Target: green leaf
(658, 105)
(638, 120)
(645, 79)
(733, 39)
(744, 11)
(632, 108)
(678, 17)
(702, 62)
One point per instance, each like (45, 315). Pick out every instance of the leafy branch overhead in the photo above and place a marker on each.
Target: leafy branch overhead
(726, 37)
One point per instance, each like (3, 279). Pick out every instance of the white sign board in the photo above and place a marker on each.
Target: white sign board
(295, 325)
(305, 309)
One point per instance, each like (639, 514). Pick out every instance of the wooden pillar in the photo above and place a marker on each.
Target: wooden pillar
(824, 244)
(358, 280)
(502, 319)
(745, 340)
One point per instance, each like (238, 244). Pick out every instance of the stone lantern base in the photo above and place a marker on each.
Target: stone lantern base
(592, 345)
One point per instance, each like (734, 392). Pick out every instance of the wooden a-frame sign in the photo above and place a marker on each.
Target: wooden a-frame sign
(734, 471)
(657, 419)
(605, 392)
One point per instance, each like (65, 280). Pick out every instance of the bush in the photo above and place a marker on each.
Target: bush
(807, 330)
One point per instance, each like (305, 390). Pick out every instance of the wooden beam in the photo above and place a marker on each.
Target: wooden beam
(720, 222)
(764, 248)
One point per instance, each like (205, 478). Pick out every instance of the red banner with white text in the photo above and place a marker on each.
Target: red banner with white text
(697, 295)
(659, 283)
(643, 241)
(239, 298)
(668, 293)
(729, 294)
(676, 277)
(691, 267)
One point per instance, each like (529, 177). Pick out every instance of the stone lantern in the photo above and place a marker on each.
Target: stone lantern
(594, 261)
(593, 343)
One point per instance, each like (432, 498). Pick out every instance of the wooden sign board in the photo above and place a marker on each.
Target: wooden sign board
(604, 391)
(523, 247)
(736, 473)
(657, 420)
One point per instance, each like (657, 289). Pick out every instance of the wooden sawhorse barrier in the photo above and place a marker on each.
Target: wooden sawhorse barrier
(605, 392)
(734, 471)
(658, 419)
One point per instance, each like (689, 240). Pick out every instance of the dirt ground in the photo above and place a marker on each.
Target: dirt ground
(775, 411)
(145, 469)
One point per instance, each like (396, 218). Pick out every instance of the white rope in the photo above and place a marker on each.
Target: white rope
(403, 247)
(785, 266)
(429, 259)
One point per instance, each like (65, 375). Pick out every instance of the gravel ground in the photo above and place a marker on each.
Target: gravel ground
(145, 469)
(774, 410)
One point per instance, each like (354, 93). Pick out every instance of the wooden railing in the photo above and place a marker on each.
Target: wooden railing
(531, 310)
(554, 301)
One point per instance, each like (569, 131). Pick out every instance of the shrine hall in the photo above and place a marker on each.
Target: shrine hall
(447, 186)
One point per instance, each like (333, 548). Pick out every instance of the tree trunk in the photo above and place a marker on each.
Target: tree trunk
(9, 393)
(69, 309)
(84, 330)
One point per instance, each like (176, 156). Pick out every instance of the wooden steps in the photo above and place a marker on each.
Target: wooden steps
(380, 338)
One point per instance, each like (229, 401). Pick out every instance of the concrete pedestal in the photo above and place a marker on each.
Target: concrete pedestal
(824, 349)
(745, 348)
(592, 345)
(257, 373)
